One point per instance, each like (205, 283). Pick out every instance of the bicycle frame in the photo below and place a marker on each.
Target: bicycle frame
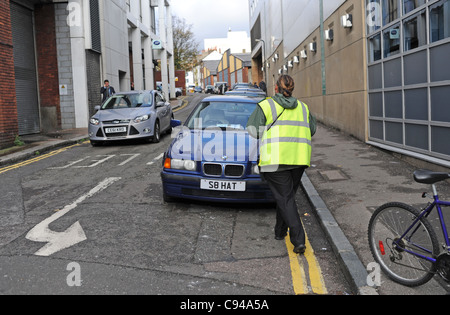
(436, 203)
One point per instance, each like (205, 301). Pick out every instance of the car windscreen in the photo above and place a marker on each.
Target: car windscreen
(233, 115)
(120, 101)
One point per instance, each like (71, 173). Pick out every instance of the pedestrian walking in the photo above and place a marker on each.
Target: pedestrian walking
(107, 91)
(284, 127)
(262, 86)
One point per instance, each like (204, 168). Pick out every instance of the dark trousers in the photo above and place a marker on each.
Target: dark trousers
(284, 186)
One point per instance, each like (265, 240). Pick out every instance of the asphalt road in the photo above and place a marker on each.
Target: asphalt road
(91, 220)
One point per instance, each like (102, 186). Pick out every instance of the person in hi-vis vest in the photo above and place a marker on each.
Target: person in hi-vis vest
(284, 127)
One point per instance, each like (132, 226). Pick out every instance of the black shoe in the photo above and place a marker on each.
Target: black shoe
(280, 237)
(300, 249)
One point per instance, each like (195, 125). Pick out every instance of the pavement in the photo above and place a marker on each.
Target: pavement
(347, 181)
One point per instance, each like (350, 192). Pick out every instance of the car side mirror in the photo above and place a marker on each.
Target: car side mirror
(97, 108)
(175, 123)
(160, 104)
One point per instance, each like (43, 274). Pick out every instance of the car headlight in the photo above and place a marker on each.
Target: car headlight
(187, 165)
(142, 118)
(94, 121)
(255, 169)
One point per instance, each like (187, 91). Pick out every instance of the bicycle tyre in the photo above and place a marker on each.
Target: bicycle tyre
(395, 211)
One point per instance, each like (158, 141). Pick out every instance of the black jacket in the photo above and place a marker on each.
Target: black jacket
(107, 92)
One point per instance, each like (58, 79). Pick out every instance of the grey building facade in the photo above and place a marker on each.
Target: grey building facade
(409, 77)
(376, 69)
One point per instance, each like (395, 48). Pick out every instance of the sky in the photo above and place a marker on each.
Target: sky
(213, 18)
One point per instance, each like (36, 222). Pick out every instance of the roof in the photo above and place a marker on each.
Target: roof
(211, 65)
(229, 98)
(246, 58)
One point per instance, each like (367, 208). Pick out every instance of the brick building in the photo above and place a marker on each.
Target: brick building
(8, 109)
(54, 56)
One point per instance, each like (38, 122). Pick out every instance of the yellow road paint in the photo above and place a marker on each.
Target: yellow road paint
(315, 273)
(36, 159)
(297, 271)
(302, 265)
(185, 103)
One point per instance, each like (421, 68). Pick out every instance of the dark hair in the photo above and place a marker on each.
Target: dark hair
(286, 85)
(106, 81)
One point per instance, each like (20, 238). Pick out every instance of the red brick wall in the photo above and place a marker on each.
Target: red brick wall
(180, 74)
(8, 107)
(47, 60)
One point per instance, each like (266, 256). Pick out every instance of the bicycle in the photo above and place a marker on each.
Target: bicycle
(403, 241)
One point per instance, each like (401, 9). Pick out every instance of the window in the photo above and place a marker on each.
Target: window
(409, 5)
(390, 11)
(391, 40)
(375, 48)
(440, 20)
(414, 30)
(373, 19)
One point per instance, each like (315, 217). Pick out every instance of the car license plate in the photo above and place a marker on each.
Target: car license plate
(116, 130)
(222, 185)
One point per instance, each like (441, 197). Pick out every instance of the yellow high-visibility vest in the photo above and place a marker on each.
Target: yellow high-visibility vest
(287, 138)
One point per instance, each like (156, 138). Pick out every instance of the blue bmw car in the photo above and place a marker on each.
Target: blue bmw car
(213, 158)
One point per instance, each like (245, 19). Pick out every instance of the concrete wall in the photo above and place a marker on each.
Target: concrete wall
(340, 100)
(65, 76)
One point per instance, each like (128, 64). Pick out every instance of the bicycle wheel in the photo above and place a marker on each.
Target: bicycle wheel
(387, 225)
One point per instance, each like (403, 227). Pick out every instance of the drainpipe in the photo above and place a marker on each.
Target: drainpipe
(322, 49)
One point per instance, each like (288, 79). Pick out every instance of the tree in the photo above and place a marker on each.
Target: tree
(185, 47)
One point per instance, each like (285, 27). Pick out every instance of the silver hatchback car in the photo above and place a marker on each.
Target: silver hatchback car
(131, 115)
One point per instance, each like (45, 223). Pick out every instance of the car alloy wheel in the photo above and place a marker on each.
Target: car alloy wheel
(157, 134)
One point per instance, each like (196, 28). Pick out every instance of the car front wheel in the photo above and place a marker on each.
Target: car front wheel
(157, 133)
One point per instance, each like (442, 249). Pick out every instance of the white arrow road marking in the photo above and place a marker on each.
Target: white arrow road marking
(57, 241)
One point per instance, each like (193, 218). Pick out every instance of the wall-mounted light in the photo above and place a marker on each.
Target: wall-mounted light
(303, 54)
(312, 47)
(329, 35)
(290, 64)
(296, 59)
(280, 71)
(276, 57)
(347, 21)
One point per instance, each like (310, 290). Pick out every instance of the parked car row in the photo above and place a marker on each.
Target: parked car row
(212, 157)
(222, 88)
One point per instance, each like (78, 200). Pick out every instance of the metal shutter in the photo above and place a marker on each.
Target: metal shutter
(240, 78)
(25, 70)
(95, 26)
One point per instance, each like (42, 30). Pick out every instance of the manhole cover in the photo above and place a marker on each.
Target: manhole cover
(333, 175)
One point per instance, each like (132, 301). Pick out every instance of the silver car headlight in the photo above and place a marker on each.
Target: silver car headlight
(142, 118)
(94, 121)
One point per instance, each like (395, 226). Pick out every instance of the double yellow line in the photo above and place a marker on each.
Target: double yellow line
(300, 263)
(183, 105)
(36, 159)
